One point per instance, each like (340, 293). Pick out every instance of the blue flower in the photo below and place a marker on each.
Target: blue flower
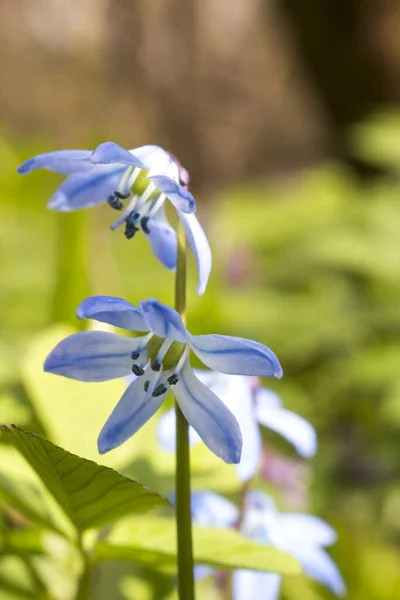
(251, 405)
(159, 359)
(303, 536)
(107, 175)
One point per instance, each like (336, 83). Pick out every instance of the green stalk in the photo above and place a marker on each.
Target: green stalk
(182, 482)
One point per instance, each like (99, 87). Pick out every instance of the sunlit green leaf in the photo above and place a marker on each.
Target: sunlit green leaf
(91, 495)
(153, 542)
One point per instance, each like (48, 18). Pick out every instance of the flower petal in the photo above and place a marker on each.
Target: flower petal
(163, 240)
(235, 356)
(163, 320)
(306, 529)
(114, 311)
(291, 426)
(198, 242)
(110, 153)
(182, 199)
(166, 432)
(92, 356)
(318, 565)
(212, 510)
(65, 162)
(205, 412)
(252, 585)
(239, 400)
(87, 189)
(131, 413)
(157, 161)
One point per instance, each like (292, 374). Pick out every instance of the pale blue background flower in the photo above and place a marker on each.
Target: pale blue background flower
(100, 356)
(108, 173)
(251, 405)
(303, 536)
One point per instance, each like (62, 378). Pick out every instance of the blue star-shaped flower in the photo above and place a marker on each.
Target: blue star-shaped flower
(303, 536)
(160, 361)
(107, 175)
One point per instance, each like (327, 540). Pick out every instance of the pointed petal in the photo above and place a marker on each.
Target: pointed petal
(212, 510)
(163, 240)
(163, 320)
(157, 161)
(114, 311)
(200, 247)
(318, 565)
(251, 452)
(235, 356)
(65, 162)
(205, 412)
(306, 528)
(252, 585)
(131, 413)
(92, 356)
(235, 391)
(110, 153)
(86, 189)
(291, 426)
(182, 199)
(166, 432)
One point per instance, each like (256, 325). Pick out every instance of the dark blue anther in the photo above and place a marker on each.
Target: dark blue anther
(115, 203)
(130, 227)
(136, 370)
(143, 222)
(122, 196)
(135, 355)
(159, 391)
(155, 365)
(146, 385)
(173, 380)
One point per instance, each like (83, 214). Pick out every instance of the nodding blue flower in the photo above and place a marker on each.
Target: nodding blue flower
(159, 358)
(109, 174)
(303, 536)
(252, 405)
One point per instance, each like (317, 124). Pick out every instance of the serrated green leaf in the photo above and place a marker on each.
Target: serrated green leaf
(90, 494)
(153, 542)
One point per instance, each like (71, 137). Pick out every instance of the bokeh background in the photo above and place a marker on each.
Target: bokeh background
(287, 116)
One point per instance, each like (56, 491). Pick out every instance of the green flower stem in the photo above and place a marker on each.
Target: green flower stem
(182, 482)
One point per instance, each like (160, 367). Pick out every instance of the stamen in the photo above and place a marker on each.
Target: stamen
(163, 350)
(146, 385)
(146, 195)
(143, 223)
(182, 360)
(173, 379)
(155, 365)
(128, 179)
(128, 210)
(135, 355)
(130, 231)
(138, 371)
(115, 202)
(122, 196)
(160, 390)
(156, 205)
(144, 341)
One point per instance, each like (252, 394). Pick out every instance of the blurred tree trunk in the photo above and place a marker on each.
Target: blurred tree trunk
(338, 43)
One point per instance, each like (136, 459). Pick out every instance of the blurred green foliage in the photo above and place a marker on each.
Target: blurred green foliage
(309, 265)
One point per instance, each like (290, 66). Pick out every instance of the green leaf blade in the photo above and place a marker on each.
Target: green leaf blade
(153, 543)
(90, 494)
